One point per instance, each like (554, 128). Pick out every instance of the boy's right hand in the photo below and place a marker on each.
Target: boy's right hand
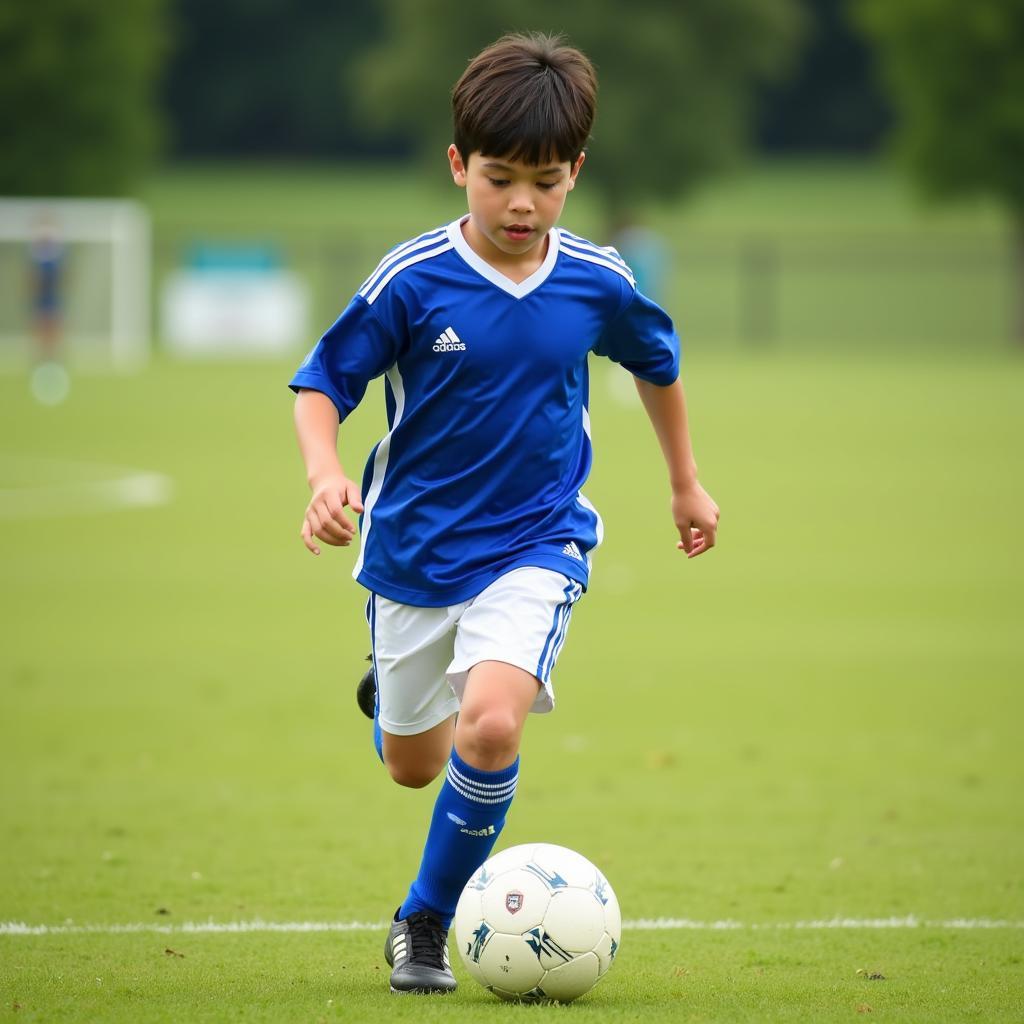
(325, 515)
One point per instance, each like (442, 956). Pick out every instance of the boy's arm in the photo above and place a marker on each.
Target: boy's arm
(316, 423)
(693, 509)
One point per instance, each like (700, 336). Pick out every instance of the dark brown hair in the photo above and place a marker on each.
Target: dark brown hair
(527, 97)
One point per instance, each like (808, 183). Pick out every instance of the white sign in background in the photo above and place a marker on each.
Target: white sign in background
(234, 312)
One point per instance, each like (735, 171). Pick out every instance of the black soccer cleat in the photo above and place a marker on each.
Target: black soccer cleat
(417, 949)
(366, 691)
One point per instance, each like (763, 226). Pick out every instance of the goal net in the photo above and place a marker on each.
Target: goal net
(77, 270)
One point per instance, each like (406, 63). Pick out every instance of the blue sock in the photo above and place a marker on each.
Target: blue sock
(378, 736)
(468, 817)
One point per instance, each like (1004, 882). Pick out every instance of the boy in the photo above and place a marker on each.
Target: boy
(475, 537)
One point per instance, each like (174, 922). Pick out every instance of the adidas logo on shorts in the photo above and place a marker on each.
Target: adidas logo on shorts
(449, 341)
(572, 550)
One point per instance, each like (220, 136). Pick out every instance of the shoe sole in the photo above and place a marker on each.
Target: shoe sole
(421, 991)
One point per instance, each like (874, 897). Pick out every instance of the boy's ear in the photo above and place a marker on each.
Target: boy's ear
(576, 170)
(458, 166)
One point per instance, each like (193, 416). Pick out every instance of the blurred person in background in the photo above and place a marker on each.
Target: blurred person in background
(50, 382)
(646, 254)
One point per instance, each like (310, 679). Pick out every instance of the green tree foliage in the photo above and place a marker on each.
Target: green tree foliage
(77, 81)
(677, 80)
(956, 72)
(833, 100)
(266, 78)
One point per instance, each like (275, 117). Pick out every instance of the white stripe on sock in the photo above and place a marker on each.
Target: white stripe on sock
(484, 788)
(488, 796)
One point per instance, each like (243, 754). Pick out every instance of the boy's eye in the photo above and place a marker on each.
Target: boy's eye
(545, 186)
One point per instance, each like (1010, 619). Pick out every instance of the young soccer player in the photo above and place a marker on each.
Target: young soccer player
(476, 539)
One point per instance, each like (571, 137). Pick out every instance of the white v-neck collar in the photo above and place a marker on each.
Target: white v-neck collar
(516, 289)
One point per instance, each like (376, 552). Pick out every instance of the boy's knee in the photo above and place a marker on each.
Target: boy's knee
(412, 776)
(493, 733)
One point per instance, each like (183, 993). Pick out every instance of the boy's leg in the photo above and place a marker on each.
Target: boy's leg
(496, 701)
(508, 640)
(468, 817)
(414, 723)
(415, 761)
(414, 706)
(478, 787)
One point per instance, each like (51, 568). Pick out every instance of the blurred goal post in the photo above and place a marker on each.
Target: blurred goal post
(103, 279)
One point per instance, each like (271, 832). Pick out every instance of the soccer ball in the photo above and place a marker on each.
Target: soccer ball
(538, 923)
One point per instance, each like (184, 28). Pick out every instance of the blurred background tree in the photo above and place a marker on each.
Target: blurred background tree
(269, 78)
(832, 102)
(77, 94)
(956, 74)
(88, 92)
(677, 85)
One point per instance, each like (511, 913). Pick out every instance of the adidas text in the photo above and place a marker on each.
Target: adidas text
(488, 830)
(449, 341)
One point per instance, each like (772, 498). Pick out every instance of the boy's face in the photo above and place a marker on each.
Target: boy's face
(512, 204)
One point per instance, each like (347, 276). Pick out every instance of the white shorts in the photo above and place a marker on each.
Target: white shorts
(422, 656)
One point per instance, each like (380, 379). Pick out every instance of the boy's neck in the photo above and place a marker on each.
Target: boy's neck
(517, 267)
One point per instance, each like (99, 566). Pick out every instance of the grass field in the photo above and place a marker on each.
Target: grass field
(819, 720)
(803, 749)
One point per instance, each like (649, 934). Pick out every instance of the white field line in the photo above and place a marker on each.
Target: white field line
(641, 924)
(74, 488)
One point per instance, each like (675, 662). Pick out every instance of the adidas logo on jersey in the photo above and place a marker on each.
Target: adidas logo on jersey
(449, 341)
(572, 550)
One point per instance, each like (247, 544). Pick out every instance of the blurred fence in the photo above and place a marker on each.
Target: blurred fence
(759, 290)
(846, 289)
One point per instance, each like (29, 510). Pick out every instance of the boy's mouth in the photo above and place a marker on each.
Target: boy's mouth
(518, 232)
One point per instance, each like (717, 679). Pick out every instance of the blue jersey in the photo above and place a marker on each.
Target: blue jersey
(486, 389)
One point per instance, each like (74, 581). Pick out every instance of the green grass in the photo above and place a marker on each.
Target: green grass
(819, 719)
(691, 977)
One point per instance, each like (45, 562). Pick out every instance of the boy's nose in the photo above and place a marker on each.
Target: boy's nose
(520, 203)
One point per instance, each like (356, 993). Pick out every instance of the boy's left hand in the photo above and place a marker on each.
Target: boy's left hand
(696, 517)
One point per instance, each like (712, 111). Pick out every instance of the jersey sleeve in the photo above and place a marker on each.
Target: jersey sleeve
(642, 339)
(356, 348)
